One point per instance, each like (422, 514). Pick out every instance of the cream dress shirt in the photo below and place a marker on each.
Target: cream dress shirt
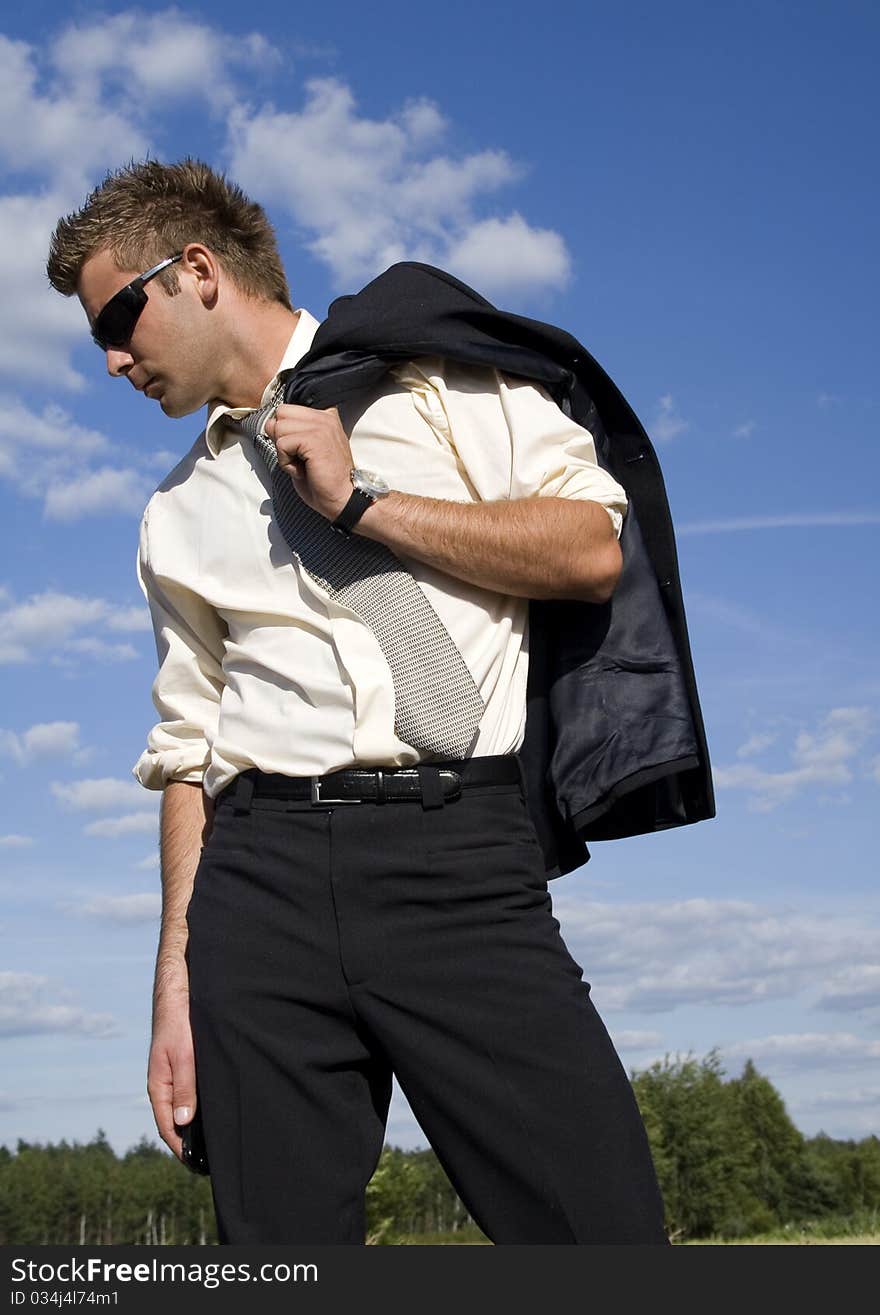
(258, 666)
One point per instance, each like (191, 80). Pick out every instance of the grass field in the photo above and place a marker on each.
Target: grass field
(860, 1229)
(865, 1240)
(475, 1238)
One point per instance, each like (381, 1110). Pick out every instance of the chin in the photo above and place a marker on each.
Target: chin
(175, 409)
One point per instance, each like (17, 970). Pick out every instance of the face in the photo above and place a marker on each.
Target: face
(169, 355)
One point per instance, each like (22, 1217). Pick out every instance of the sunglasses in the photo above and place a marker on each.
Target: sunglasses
(114, 323)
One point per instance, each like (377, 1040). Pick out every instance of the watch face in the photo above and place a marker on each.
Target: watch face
(369, 482)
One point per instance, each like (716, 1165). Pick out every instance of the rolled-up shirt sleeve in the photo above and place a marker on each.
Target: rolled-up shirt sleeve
(186, 692)
(511, 438)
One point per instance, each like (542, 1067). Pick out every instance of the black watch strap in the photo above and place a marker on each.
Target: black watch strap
(352, 512)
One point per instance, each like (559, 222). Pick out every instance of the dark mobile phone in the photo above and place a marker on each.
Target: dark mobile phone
(192, 1151)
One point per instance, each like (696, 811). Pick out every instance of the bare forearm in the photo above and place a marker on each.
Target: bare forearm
(187, 817)
(530, 548)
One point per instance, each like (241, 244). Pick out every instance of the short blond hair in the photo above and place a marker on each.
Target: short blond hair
(146, 211)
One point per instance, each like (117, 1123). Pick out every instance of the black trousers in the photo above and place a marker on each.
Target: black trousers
(332, 946)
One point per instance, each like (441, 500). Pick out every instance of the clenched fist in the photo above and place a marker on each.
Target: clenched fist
(313, 449)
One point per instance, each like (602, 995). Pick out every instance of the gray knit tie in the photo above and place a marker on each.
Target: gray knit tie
(437, 705)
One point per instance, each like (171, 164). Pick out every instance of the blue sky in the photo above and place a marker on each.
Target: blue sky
(688, 189)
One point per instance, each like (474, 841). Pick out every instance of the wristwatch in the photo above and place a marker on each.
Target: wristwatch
(368, 488)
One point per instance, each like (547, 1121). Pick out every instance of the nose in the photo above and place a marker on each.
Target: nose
(119, 362)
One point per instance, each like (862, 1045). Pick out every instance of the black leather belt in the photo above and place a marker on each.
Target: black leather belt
(432, 783)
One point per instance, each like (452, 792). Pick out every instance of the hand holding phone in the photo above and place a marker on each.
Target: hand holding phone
(193, 1152)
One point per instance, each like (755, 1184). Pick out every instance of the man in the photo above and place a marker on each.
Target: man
(340, 902)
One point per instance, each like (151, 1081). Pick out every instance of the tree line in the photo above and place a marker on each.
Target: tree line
(731, 1163)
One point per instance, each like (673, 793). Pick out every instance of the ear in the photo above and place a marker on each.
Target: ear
(200, 262)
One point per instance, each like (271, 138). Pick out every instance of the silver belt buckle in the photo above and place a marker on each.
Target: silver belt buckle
(316, 797)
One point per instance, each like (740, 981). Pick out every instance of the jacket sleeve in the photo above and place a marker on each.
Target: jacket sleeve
(510, 437)
(186, 692)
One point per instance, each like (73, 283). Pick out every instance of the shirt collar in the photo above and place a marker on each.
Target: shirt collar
(217, 433)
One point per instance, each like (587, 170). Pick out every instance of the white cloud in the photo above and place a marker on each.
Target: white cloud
(667, 423)
(54, 739)
(26, 1010)
(822, 758)
(63, 136)
(45, 620)
(125, 908)
(54, 127)
(53, 621)
(130, 618)
(756, 744)
(853, 1098)
(364, 192)
(139, 809)
(98, 794)
(745, 430)
(423, 121)
(633, 1040)
(133, 824)
(156, 59)
(148, 864)
(32, 442)
(79, 1096)
(94, 647)
(71, 110)
(509, 256)
(656, 957)
(807, 1050)
(856, 987)
(74, 107)
(371, 192)
(38, 328)
(841, 1118)
(100, 491)
(13, 841)
(796, 521)
(733, 615)
(164, 459)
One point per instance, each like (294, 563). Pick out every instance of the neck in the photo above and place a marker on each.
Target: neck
(259, 334)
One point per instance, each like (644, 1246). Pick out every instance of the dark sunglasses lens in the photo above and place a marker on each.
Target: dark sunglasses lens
(115, 323)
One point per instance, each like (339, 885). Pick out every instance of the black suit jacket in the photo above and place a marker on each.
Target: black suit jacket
(615, 744)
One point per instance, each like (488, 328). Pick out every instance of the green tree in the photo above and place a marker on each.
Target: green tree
(776, 1158)
(699, 1150)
